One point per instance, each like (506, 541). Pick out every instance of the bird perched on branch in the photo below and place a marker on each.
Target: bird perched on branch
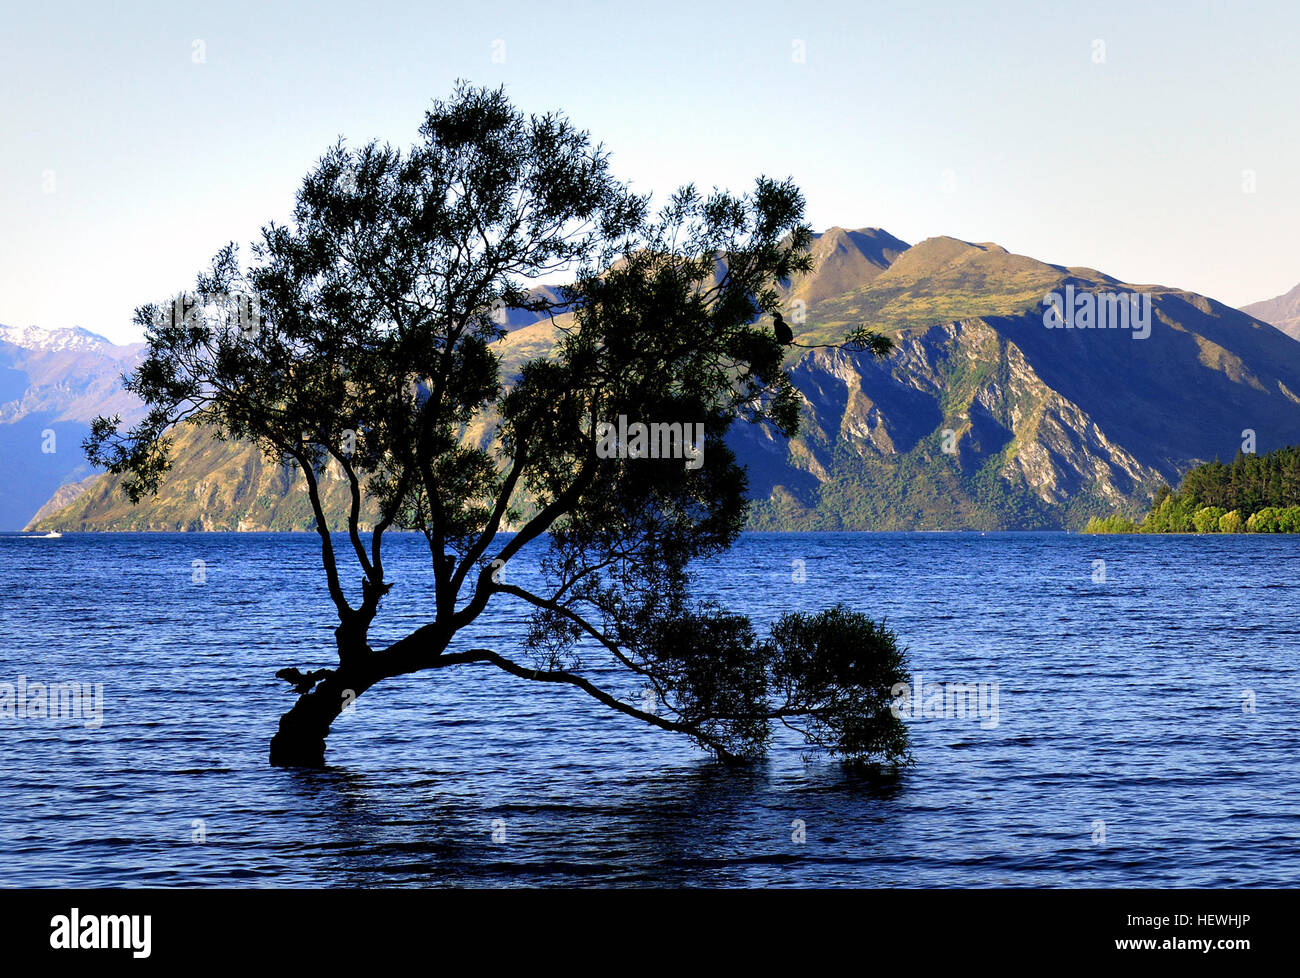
(784, 335)
(860, 339)
(300, 681)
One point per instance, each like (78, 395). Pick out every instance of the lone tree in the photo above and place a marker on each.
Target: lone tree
(362, 336)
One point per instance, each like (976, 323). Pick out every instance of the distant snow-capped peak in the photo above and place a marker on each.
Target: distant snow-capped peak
(71, 339)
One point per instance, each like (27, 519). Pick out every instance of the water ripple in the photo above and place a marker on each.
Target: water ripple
(1122, 755)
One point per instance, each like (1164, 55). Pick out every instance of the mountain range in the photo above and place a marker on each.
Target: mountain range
(982, 418)
(52, 383)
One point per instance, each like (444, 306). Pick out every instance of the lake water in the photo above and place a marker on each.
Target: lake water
(1126, 751)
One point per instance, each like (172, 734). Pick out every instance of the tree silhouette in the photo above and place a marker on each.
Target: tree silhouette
(361, 339)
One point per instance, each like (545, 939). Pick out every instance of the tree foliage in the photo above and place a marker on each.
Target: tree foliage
(1212, 498)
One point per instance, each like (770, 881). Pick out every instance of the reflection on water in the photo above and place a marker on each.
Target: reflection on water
(1123, 754)
(689, 826)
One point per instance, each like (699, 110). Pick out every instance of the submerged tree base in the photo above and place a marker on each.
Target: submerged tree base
(297, 750)
(300, 740)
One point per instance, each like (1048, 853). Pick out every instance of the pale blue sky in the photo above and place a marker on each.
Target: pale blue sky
(994, 124)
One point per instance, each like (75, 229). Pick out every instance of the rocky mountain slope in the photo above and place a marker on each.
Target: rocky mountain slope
(1047, 426)
(214, 485)
(1282, 312)
(983, 417)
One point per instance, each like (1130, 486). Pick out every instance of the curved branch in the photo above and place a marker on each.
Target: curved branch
(613, 702)
(563, 609)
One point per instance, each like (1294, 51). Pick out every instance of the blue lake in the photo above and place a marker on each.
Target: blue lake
(1148, 727)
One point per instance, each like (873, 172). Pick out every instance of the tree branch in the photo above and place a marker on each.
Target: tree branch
(326, 544)
(354, 512)
(571, 679)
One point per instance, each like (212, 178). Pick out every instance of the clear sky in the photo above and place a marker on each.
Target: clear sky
(138, 138)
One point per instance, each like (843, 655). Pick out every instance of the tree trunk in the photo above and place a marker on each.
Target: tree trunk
(300, 741)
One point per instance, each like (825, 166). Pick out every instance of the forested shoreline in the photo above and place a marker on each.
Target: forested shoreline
(1252, 494)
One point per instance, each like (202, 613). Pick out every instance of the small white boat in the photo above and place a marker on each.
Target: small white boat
(52, 535)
